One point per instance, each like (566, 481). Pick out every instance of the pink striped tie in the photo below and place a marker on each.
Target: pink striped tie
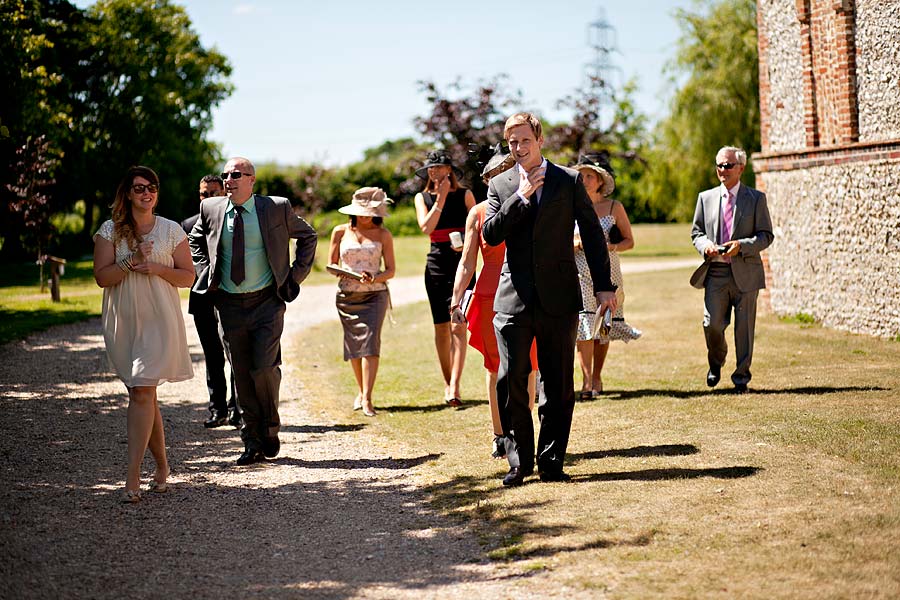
(727, 218)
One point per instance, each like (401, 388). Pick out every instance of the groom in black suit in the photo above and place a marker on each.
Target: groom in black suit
(533, 207)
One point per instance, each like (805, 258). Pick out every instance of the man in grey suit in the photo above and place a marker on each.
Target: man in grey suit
(533, 208)
(731, 227)
(240, 245)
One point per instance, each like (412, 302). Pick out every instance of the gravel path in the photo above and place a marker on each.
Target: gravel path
(332, 517)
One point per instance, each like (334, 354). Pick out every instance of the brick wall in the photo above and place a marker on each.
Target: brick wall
(830, 160)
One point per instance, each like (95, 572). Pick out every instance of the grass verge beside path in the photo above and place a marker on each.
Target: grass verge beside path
(790, 491)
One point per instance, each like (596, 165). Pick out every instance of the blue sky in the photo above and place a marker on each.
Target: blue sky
(320, 81)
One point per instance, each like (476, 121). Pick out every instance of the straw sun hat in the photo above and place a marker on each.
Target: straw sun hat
(367, 202)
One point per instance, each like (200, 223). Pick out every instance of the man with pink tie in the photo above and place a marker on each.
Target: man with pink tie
(731, 227)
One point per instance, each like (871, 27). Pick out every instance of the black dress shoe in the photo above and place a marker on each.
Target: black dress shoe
(216, 421)
(270, 446)
(516, 476)
(250, 456)
(557, 476)
(235, 419)
(713, 376)
(740, 388)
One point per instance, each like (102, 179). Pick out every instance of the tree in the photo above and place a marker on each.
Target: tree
(624, 139)
(716, 105)
(455, 123)
(30, 199)
(144, 92)
(32, 106)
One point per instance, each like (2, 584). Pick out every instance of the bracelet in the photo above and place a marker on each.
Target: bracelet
(454, 307)
(125, 264)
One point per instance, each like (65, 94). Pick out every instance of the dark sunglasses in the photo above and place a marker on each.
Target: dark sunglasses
(206, 194)
(726, 166)
(234, 175)
(140, 188)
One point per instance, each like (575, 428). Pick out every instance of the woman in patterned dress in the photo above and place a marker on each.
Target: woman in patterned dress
(441, 210)
(362, 246)
(140, 260)
(598, 180)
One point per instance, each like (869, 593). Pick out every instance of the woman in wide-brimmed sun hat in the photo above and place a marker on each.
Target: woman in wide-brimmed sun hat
(598, 179)
(363, 246)
(441, 210)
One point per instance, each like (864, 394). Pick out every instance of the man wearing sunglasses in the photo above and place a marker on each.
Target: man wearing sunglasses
(731, 227)
(240, 245)
(223, 408)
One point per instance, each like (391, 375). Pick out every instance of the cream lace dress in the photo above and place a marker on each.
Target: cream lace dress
(142, 322)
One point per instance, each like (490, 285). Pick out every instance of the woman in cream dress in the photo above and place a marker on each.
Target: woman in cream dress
(140, 260)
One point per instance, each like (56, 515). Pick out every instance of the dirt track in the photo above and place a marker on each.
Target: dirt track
(331, 517)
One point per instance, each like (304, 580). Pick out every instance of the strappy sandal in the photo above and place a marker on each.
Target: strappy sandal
(357, 402)
(131, 497)
(157, 487)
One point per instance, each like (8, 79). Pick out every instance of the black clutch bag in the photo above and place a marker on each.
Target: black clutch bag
(615, 236)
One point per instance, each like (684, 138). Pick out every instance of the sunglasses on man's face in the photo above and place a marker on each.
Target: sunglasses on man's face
(140, 188)
(234, 175)
(726, 166)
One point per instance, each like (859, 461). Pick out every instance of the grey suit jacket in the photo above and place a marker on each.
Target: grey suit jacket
(752, 228)
(278, 225)
(540, 255)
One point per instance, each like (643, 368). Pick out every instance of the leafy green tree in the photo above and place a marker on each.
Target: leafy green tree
(32, 106)
(144, 94)
(716, 104)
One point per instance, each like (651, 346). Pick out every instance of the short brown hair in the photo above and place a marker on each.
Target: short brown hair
(523, 118)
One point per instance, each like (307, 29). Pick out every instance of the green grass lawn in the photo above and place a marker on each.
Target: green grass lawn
(790, 491)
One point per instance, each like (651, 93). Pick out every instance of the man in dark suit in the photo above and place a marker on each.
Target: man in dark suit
(731, 227)
(240, 245)
(223, 409)
(533, 207)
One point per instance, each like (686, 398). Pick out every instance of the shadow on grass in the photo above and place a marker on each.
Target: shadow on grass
(361, 463)
(339, 428)
(668, 474)
(428, 408)
(635, 452)
(726, 390)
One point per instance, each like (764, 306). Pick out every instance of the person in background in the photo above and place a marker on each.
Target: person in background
(731, 227)
(140, 259)
(597, 175)
(362, 246)
(241, 251)
(480, 313)
(441, 210)
(221, 411)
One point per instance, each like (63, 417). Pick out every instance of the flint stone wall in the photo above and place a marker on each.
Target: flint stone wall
(836, 254)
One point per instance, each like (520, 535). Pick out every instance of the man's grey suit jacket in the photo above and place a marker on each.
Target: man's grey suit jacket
(277, 224)
(540, 254)
(752, 228)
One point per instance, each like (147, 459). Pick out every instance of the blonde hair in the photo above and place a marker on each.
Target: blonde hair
(124, 227)
(523, 118)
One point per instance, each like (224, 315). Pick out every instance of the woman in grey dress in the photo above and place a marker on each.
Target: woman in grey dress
(362, 246)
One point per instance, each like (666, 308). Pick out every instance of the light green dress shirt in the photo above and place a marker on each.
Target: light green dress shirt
(257, 273)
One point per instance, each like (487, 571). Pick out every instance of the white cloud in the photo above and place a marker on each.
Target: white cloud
(244, 9)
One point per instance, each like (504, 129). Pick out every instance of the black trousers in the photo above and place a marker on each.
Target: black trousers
(555, 337)
(210, 334)
(252, 324)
